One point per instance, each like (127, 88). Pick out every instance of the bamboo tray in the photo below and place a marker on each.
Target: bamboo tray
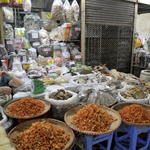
(69, 116)
(120, 106)
(47, 108)
(59, 124)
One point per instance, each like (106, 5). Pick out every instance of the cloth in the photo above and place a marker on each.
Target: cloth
(4, 81)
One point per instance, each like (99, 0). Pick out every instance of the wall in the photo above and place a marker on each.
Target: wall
(143, 24)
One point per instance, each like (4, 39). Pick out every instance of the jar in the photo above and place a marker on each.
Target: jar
(145, 75)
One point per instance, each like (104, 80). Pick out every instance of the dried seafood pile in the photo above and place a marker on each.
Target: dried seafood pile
(135, 113)
(93, 118)
(26, 107)
(101, 68)
(134, 93)
(60, 95)
(41, 136)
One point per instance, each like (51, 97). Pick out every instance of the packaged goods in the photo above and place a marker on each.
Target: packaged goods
(9, 46)
(56, 34)
(44, 37)
(4, 2)
(75, 10)
(32, 22)
(19, 32)
(57, 11)
(75, 31)
(45, 50)
(8, 31)
(66, 31)
(8, 14)
(32, 53)
(26, 5)
(67, 11)
(3, 52)
(48, 24)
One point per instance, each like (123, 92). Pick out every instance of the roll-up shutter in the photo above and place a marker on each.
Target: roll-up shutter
(108, 33)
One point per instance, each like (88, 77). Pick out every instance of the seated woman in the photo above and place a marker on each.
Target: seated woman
(7, 81)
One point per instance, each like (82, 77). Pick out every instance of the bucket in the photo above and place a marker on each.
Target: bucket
(145, 75)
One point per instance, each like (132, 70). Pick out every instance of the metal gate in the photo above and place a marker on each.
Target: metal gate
(108, 39)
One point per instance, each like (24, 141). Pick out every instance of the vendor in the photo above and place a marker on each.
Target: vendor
(7, 81)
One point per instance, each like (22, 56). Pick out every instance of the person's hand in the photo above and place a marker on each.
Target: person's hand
(5, 90)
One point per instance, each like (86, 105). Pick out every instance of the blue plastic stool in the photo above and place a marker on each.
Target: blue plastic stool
(130, 140)
(91, 140)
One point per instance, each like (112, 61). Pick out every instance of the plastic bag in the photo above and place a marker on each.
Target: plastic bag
(75, 31)
(3, 52)
(60, 107)
(44, 38)
(75, 10)
(60, 80)
(19, 32)
(18, 43)
(66, 27)
(8, 31)
(32, 53)
(67, 11)
(26, 5)
(45, 50)
(57, 11)
(139, 40)
(4, 99)
(56, 34)
(8, 14)
(9, 46)
(32, 22)
(48, 25)
(122, 99)
(4, 117)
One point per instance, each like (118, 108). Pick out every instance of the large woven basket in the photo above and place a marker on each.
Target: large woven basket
(59, 124)
(69, 116)
(47, 108)
(120, 106)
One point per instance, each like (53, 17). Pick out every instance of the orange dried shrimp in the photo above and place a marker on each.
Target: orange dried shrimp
(135, 113)
(26, 107)
(93, 118)
(41, 136)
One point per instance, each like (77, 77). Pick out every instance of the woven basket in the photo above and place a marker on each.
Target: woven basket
(69, 116)
(59, 124)
(120, 106)
(47, 108)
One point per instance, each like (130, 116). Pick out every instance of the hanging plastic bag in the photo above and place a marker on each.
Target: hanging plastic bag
(57, 12)
(26, 5)
(67, 11)
(75, 10)
(8, 14)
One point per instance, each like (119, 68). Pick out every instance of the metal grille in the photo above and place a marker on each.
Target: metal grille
(108, 44)
(109, 11)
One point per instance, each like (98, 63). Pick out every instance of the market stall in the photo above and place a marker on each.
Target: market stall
(63, 104)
